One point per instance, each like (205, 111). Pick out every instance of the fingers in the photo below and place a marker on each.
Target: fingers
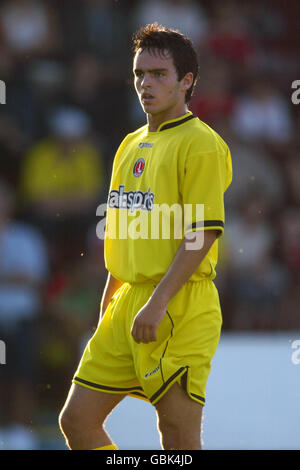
(143, 333)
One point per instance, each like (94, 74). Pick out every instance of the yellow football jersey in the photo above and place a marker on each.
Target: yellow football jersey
(164, 185)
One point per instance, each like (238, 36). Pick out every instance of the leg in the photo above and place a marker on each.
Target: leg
(179, 420)
(82, 417)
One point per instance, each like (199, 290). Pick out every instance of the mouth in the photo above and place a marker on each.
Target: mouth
(147, 97)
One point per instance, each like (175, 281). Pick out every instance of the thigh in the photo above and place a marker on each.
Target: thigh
(177, 410)
(91, 407)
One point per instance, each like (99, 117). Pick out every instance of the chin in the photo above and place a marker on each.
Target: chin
(152, 110)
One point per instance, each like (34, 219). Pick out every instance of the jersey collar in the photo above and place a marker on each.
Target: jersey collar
(175, 122)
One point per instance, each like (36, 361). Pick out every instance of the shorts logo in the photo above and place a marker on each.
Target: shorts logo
(139, 167)
(152, 372)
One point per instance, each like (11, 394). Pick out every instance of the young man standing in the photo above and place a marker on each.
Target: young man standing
(160, 316)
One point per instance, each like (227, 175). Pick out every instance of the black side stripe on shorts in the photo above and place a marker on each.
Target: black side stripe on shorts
(139, 394)
(198, 397)
(183, 383)
(164, 386)
(105, 387)
(171, 334)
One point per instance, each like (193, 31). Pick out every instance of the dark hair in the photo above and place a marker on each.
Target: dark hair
(154, 37)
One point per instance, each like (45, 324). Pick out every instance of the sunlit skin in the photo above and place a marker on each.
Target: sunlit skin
(161, 94)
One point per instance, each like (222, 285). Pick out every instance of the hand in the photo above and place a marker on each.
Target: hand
(146, 322)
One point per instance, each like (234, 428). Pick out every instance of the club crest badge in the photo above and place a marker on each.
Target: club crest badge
(139, 167)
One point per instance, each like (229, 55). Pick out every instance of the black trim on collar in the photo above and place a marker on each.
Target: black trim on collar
(177, 123)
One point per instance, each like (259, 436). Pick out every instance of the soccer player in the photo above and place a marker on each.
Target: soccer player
(160, 317)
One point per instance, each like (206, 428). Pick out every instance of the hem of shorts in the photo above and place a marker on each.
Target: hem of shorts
(134, 391)
(180, 373)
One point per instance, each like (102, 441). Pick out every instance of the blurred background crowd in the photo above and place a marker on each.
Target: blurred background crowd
(69, 103)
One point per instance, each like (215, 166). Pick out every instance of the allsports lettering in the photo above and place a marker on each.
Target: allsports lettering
(132, 200)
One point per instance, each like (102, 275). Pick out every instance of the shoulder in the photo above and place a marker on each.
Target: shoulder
(135, 135)
(204, 139)
(130, 139)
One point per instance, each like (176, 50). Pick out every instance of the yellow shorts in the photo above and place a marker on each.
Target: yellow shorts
(187, 339)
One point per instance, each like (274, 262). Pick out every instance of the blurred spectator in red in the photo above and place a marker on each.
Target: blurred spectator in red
(229, 36)
(185, 15)
(23, 272)
(28, 27)
(262, 114)
(63, 178)
(213, 99)
(258, 280)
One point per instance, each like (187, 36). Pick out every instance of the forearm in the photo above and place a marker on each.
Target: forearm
(183, 266)
(111, 286)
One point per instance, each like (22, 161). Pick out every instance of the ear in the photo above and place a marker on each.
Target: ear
(187, 81)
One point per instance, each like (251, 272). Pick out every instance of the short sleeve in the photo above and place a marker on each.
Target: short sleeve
(207, 176)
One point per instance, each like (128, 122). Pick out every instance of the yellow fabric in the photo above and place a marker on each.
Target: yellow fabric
(110, 447)
(49, 172)
(185, 164)
(187, 339)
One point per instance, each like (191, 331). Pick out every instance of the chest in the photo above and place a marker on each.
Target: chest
(150, 164)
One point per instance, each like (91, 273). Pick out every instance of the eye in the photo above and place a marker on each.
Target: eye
(139, 74)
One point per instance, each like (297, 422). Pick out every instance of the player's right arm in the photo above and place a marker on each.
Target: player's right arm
(111, 286)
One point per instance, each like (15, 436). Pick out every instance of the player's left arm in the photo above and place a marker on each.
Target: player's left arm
(207, 175)
(185, 263)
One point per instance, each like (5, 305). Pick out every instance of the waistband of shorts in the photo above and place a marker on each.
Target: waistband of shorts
(143, 284)
(155, 283)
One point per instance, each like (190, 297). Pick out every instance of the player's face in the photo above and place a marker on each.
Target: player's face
(157, 85)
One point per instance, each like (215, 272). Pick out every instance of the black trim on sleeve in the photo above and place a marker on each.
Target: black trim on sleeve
(206, 223)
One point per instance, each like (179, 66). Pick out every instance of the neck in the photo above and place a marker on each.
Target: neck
(155, 120)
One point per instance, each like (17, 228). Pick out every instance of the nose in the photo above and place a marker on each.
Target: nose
(146, 81)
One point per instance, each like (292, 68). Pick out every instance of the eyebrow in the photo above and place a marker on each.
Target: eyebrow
(150, 70)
